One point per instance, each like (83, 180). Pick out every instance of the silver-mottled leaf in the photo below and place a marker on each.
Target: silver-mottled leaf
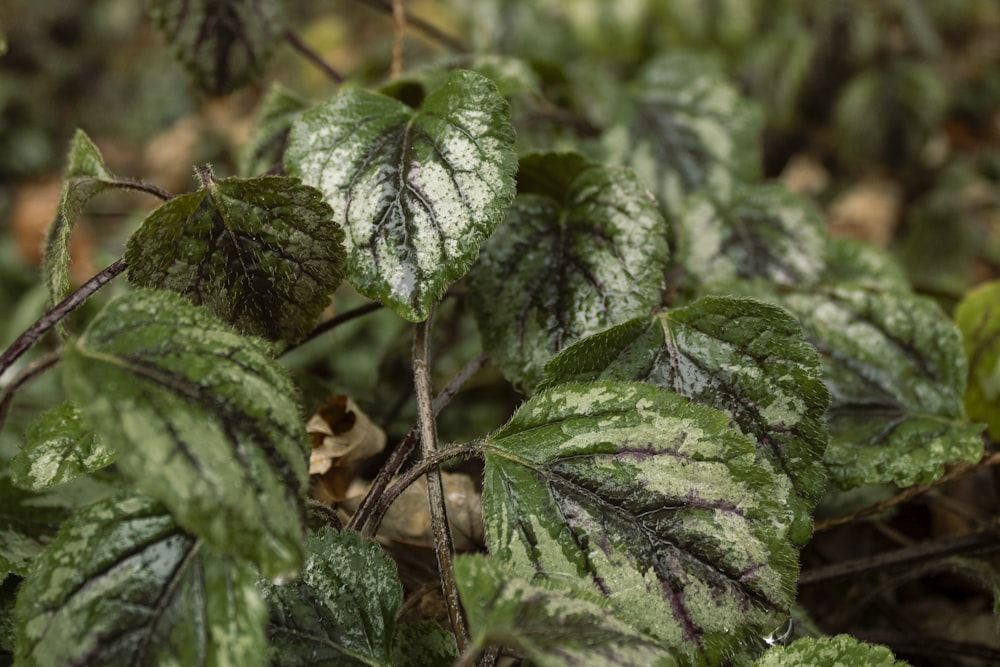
(28, 523)
(836, 651)
(58, 447)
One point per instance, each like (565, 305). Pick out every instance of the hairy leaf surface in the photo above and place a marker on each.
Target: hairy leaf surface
(583, 247)
(261, 253)
(836, 651)
(58, 447)
(202, 418)
(341, 610)
(741, 356)
(549, 622)
(978, 318)
(896, 371)
(224, 44)
(416, 190)
(265, 147)
(28, 523)
(655, 502)
(123, 585)
(762, 231)
(424, 644)
(85, 177)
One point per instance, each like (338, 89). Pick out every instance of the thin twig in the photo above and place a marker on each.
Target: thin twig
(128, 183)
(313, 57)
(398, 28)
(443, 546)
(57, 313)
(423, 26)
(335, 322)
(909, 493)
(987, 540)
(367, 517)
(30, 372)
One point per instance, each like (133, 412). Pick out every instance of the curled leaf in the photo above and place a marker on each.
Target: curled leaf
(342, 434)
(58, 447)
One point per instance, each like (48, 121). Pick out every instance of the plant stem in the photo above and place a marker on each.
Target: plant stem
(313, 57)
(127, 183)
(435, 488)
(58, 312)
(398, 28)
(369, 514)
(30, 372)
(335, 322)
(421, 25)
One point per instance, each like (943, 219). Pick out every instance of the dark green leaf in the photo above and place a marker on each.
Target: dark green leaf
(762, 231)
(28, 522)
(583, 247)
(654, 502)
(424, 644)
(341, 610)
(58, 447)
(8, 625)
(202, 419)
(265, 147)
(837, 651)
(896, 371)
(224, 44)
(261, 253)
(417, 191)
(85, 177)
(123, 585)
(978, 318)
(551, 624)
(741, 356)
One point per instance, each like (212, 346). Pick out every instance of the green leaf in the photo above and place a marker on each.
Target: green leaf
(8, 625)
(58, 447)
(261, 253)
(854, 262)
(583, 247)
(741, 356)
(202, 419)
(28, 522)
(266, 145)
(341, 610)
(424, 644)
(763, 231)
(124, 585)
(654, 502)
(224, 44)
(416, 190)
(978, 318)
(896, 371)
(837, 651)
(548, 622)
(85, 177)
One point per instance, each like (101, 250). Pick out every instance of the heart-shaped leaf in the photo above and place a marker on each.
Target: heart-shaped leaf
(837, 651)
(583, 248)
(341, 610)
(202, 419)
(549, 622)
(123, 584)
(741, 356)
(261, 253)
(224, 44)
(654, 501)
(58, 447)
(416, 190)
(978, 318)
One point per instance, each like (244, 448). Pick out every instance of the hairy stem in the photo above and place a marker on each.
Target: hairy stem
(443, 547)
(127, 183)
(30, 372)
(58, 312)
(313, 57)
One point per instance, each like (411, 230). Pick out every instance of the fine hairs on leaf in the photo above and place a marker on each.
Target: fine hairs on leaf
(678, 417)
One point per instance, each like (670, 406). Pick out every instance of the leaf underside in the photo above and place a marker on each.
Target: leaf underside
(202, 419)
(416, 191)
(58, 447)
(124, 585)
(261, 253)
(653, 500)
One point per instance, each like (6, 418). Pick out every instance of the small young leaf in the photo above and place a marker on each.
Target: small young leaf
(583, 247)
(551, 624)
(741, 356)
(341, 610)
(978, 318)
(261, 253)
(837, 651)
(417, 191)
(424, 644)
(896, 371)
(28, 522)
(122, 584)
(269, 136)
(58, 447)
(202, 419)
(656, 503)
(85, 178)
(762, 231)
(224, 44)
